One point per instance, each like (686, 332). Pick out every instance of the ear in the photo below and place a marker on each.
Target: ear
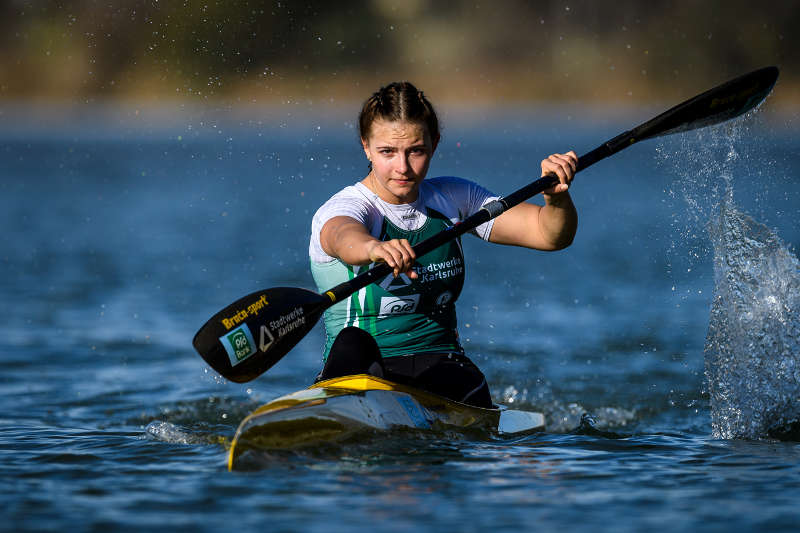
(365, 145)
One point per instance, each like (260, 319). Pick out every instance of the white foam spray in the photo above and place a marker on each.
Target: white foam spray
(752, 348)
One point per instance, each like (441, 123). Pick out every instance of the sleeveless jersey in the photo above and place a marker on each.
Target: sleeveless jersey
(404, 315)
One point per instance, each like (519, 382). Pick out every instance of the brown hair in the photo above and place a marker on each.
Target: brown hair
(398, 101)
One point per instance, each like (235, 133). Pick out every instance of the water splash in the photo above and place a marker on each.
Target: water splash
(752, 351)
(172, 433)
(752, 348)
(164, 431)
(565, 417)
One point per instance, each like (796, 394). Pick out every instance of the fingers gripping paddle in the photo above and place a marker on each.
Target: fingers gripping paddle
(249, 336)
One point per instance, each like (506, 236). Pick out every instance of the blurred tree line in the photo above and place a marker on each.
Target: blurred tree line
(459, 49)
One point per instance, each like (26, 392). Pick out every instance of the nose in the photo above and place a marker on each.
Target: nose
(402, 164)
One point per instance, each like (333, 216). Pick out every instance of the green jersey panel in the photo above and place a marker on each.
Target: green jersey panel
(404, 315)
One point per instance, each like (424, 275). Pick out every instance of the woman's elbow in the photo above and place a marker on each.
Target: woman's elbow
(564, 240)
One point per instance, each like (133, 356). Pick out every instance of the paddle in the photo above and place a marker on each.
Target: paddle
(249, 336)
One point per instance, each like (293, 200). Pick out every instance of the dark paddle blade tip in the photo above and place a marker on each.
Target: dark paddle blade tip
(744, 93)
(717, 105)
(245, 339)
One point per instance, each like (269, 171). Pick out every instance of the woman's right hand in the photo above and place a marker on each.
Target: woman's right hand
(397, 253)
(348, 240)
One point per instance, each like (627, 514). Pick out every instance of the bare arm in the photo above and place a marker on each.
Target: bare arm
(551, 227)
(348, 240)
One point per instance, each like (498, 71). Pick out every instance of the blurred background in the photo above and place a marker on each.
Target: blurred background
(160, 159)
(236, 52)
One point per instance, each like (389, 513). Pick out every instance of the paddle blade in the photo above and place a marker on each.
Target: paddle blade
(716, 105)
(245, 339)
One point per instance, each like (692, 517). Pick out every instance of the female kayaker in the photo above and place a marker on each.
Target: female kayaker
(403, 328)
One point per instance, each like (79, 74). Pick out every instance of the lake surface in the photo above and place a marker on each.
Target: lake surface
(671, 321)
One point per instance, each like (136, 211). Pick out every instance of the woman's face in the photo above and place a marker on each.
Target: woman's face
(400, 153)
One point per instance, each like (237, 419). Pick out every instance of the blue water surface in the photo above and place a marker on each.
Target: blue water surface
(122, 232)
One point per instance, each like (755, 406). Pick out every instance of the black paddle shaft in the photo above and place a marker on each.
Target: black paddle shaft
(716, 105)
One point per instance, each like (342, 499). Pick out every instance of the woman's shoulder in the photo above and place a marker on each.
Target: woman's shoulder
(457, 198)
(355, 194)
(352, 201)
(457, 188)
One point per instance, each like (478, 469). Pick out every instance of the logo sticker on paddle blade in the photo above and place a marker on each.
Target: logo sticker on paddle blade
(239, 344)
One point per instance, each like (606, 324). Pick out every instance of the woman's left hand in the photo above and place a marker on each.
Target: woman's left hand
(563, 166)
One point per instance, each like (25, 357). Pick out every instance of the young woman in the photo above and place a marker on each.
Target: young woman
(404, 327)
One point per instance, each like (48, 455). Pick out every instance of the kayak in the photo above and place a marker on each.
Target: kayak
(336, 408)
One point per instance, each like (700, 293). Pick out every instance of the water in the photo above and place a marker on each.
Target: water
(752, 354)
(120, 238)
(752, 351)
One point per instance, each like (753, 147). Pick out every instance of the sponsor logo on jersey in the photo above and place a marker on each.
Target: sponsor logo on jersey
(239, 344)
(391, 283)
(442, 270)
(394, 305)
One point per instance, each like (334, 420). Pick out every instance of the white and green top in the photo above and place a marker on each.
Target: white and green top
(404, 316)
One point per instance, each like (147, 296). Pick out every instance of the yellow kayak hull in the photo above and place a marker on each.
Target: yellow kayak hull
(332, 409)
